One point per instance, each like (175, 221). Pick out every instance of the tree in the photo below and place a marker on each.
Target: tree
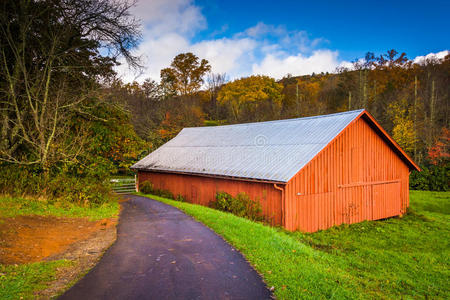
(213, 84)
(51, 68)
(439, 153)
(392, 59)
(244, 96)
(403, 130)
(175, 120)
(111, 142)
(185, 74)
(152, 90)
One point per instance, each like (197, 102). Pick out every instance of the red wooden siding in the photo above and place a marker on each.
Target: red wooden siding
(360, 175)
(202, 190)
(356, 177)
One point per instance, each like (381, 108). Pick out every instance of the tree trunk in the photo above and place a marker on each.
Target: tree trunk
(365, 90)
(349, 100)
(415, 117)
(360, 88)
(432, 104)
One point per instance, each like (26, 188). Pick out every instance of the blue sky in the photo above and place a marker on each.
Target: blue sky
(352, 27)
(274, 38)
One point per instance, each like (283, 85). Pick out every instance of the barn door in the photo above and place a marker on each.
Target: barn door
(352, 204)
(386, 201)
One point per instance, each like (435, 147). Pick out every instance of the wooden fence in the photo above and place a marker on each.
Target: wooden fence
(123, 185)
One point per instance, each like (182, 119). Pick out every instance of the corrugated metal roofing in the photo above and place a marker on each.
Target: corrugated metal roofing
(271, 151)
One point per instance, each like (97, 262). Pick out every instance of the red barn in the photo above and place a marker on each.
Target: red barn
(307, 173)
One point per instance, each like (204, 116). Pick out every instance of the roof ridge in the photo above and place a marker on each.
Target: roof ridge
(284, 120)
(246, 145)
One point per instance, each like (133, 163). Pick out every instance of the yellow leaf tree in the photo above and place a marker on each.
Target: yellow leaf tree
(249, 94)
(403, 130)
(185, 74)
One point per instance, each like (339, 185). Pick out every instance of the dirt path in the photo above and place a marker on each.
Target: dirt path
(161, 253)
(26, 239)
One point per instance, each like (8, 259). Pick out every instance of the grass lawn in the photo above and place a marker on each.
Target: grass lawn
(22, 281)
(395, 258)
(16, 206)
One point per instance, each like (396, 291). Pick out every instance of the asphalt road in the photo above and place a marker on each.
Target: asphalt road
(161, 253)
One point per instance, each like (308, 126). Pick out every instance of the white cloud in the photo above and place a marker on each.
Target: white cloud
(226, 55)
(438, 55)
(289, 40)
(161, 16)
(170, 26)
(156, 54)
(167, 29)
(262, 29)
(318, 61)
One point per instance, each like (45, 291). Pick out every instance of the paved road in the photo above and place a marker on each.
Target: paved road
(161, 253)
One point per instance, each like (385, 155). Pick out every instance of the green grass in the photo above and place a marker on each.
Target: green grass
(396, 258)
(21, 281)
(16, 206)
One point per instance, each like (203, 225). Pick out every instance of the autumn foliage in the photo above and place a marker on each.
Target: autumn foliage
(439, 152)
(409, 99)
(246, 96)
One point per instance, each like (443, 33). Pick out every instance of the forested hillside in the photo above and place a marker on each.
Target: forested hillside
(410, 100)
(68, 122)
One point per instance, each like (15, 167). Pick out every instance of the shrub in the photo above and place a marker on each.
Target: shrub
(439, 179)
(432, 178)
(247, 207)
(83, 191)
(179, 198)
(419, 180)
(223, 201)
(146, 187)
(19, 181)
(164, 193)
(241, 205)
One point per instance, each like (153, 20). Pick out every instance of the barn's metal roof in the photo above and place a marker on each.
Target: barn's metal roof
(270, 151)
